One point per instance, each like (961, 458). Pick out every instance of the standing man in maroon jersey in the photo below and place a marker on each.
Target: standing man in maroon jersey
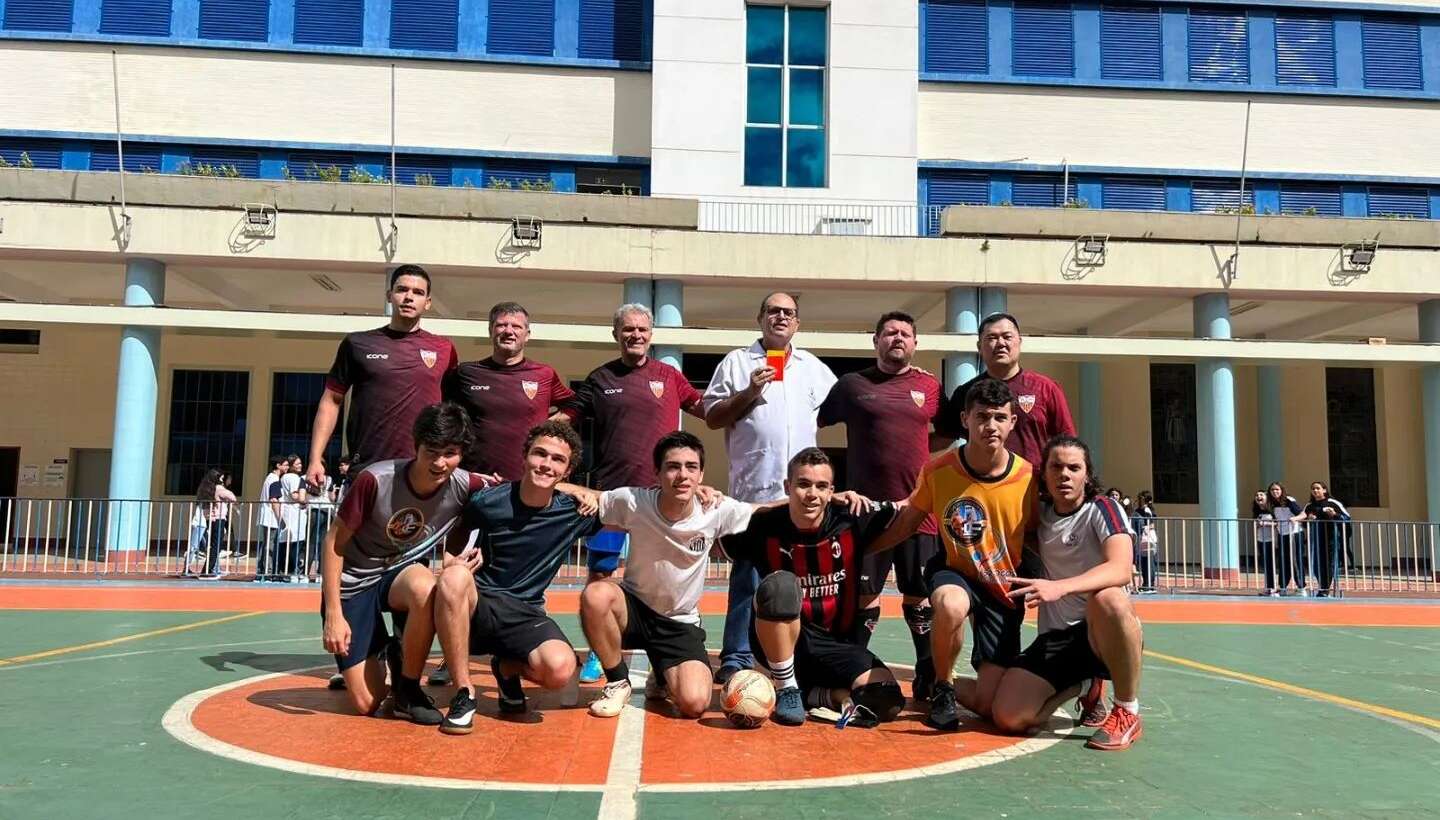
(887, 410)
(392, 373)
(1040, 408)
(633, 402)
(506, 394)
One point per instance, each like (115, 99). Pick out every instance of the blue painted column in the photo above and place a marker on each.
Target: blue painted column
(962, 315)
(670, 312)
(638, 291)
(132, 454)
(993, 300)
(1092, 423)
(1430, 404)
(1272, 426)
(1215, 400)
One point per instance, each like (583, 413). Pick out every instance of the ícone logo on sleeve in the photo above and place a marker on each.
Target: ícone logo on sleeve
(918, 396)
(1027, 402)
(530, 388)
(658, 388)
(429, 357)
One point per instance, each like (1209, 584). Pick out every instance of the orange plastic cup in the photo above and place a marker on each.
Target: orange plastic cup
(776, 360)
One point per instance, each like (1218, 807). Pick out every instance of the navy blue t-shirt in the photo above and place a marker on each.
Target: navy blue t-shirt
(523, 547)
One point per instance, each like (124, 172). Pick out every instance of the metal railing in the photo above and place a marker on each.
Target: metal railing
(821, 219)
(98, 537)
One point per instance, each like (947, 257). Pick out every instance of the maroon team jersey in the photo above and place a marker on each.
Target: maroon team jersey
(825, 561)
(1039, 406)
(504, 402)
(632, 408)
(887, 430)
(391, 377)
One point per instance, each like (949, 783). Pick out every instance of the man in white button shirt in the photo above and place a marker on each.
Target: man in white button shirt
(768, 414)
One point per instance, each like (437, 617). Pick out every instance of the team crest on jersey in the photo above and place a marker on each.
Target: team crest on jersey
(835, 550)
(698, 545)
(918, 396)
(530, 388)
(965, 521)
(404, 525)
(658, 388)
(429, 357)
(1027, 402)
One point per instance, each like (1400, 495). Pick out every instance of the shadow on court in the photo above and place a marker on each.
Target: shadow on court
(229, 661)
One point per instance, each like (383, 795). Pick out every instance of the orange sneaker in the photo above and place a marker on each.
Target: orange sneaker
(1091, 704)
(1121, 728)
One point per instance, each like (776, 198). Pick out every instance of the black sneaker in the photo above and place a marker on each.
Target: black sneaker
(922, 685)
(337, 683)
(460, 720)
(410, 701)
(944, 714)
(789, 707)
(512, 694)
(725, 673)
(440, 677)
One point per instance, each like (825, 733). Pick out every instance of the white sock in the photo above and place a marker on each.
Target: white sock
(784, 673)
(1131, 706)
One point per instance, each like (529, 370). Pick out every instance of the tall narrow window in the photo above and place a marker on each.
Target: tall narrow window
(785, 52)
(1350, 415)
(292, 409)
(1174, 434)
(208, 413)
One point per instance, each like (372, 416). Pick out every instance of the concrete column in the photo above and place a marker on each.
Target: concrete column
(132, 454)
(962, 315)
(1430, 403)
(670, 312)
(1272, 427)
(993, 300)
(1092, 423)
(638, 291)
(1215, 399)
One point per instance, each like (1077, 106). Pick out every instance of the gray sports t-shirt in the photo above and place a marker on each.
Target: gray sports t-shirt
(1071, 545)
(392, 524)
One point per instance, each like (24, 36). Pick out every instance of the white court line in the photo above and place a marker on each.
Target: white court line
(111, 655)
(627, 752)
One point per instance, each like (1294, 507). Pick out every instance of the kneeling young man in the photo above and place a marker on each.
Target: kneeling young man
(656, 606)
(491, 598)
(377, 559)
(984, 497)
(1088, 629)
(809, 555)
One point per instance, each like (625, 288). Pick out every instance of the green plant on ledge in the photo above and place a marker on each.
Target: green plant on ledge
(1076, 203)
(364, 177)
(536, 185)
(205, 169)
(330, 173)
(1243, 210)
(285, 173)
(499, 183)
(424, 180)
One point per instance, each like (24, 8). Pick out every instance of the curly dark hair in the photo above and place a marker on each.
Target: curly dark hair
(555, 429)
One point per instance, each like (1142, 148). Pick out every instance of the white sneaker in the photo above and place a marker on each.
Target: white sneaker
(612, 699)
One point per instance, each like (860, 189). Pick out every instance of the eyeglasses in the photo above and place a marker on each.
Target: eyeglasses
(788, 313)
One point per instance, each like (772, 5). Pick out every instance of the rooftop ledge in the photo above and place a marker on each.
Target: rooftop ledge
(1153, 226)
(169, 190)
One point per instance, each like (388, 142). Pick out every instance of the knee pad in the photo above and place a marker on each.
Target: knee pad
(919, 617)
(884, 698)
(778, 597)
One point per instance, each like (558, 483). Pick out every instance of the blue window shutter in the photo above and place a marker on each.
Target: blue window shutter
(235, 20)
(1210, 195)
(407, 167)
(44, 154)
(957, 36)
(1039, 190)
(140, 158)
(515, 172)
(522, 27)
(1219, 45)
(953, 188)
(1298, 197)
(1130, 43)
(1392, 53)
(246, 162)
(612, 29)
(303, 165)
(1133, 193)
(39, 15)
(1387, 200)
(145, 18)
(1304, 49)
(330, 22)
(1044, 40)
(424, 25)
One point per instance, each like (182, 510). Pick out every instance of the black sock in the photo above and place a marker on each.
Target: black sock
(617, 672)
(919, 618)
(865, 624)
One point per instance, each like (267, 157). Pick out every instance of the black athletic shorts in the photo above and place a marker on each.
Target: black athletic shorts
(667, 641)
(822, 659)
(506, 626)
(364, 611)
(1063, 657)
(909, 559)
(995, 625)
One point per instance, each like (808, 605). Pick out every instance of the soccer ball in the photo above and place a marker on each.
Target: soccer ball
(747, 699)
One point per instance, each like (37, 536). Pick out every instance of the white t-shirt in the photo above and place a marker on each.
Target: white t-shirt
(778, 425)
(290, 509)
(267, 514)
(666, 565)
(1072, 545)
